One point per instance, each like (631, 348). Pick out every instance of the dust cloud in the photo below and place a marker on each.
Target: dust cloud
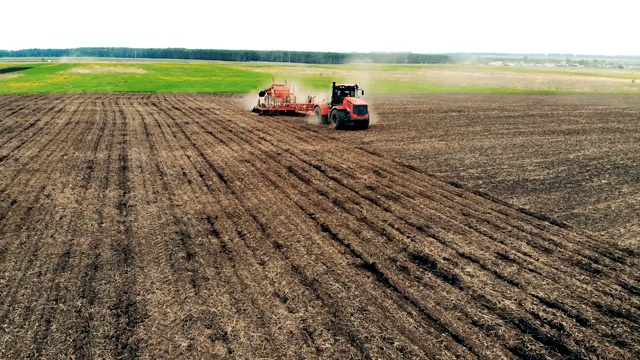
(249, 100)
(303, 94)
(106, 70)
(75, 60)
(361, 73)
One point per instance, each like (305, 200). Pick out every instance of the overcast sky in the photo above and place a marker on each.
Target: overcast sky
(597, 27)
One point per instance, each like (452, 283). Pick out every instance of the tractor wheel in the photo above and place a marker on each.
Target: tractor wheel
(318, 115)
(337, 119)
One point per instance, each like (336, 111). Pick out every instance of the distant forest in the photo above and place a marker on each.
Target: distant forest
(305, 57)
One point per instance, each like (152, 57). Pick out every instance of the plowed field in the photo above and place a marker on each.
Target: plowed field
(183, 226)
(572, 157)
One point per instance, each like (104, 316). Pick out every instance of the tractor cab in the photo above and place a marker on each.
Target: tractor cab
(341, 91)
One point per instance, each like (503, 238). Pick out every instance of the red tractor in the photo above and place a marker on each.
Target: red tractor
(345, 109)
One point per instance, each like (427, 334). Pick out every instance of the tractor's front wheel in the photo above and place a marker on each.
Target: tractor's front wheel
(338, 119)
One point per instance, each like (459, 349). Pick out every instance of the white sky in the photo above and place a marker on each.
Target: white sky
(597, 27)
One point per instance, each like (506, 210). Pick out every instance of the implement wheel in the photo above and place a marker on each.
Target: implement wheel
(319, 117)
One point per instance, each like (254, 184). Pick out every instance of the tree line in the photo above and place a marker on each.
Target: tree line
(305, 57)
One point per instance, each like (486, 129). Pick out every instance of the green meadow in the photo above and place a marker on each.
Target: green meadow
(127, 75)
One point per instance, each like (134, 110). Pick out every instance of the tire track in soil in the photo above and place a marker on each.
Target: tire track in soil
(617, 257)
(87, 318)
(368, 265)
(467, 213)
(127, 313)
(592, 258)
(92, 315)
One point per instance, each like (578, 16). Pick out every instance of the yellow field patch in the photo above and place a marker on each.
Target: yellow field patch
(24, 84)
(50, 80)
(180, 78)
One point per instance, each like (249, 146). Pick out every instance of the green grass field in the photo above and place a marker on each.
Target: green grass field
(127, 75)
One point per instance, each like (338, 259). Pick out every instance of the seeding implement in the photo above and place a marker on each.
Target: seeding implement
(279, 99)
(343, 109)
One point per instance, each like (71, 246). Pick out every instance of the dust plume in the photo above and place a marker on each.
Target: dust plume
(75, 60)
(304, 94)
(373, 116)
(361, 72)
(249, 100)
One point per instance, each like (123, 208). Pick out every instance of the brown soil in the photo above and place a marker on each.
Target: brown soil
(182, 226)
(575, 158)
